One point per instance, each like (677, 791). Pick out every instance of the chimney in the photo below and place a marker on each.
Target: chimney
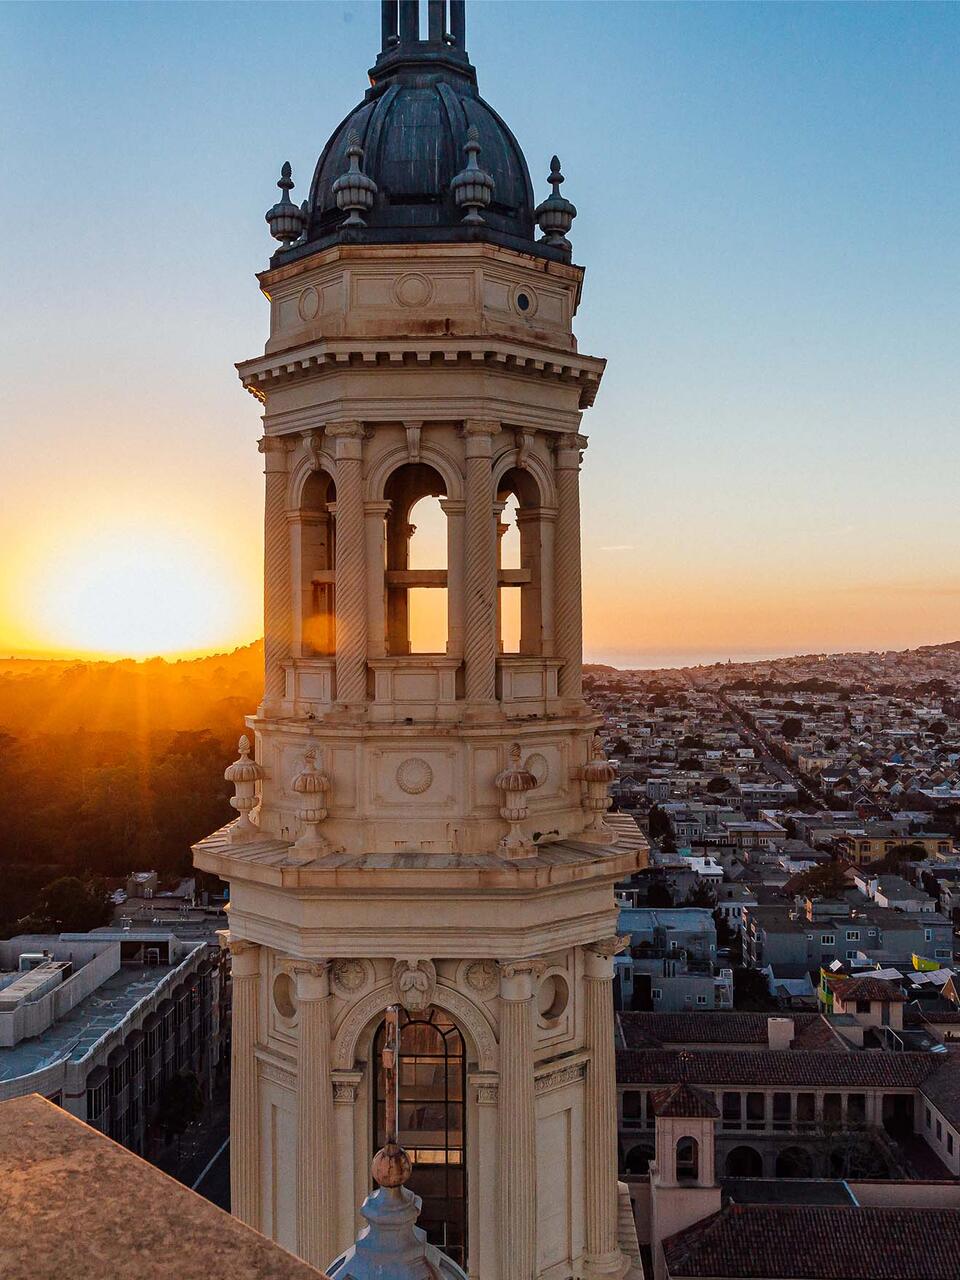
(780, 1033)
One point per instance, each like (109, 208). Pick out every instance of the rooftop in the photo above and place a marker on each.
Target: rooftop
(772, 1067)
(76, 1204)
(818, 1242)
(75, 1034)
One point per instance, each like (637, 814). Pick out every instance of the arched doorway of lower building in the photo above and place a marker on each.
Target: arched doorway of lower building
(637, 1160)
(743, 1162)
(432, 1092)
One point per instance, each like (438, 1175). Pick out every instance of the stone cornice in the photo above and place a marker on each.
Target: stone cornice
(318, 358)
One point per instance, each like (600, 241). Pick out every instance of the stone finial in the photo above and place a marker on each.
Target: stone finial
(244, 773)
(513, 783)
(555, 215)
(354, 191)
(286, 220)
(597, 773)
(312, 785)
(472, 187)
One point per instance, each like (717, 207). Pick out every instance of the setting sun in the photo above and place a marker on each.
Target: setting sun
(133, 593)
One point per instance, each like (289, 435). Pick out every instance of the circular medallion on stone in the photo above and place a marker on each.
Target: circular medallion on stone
(538, 766)
(482, 976)
(285, 996)
(413, 290)
(349, 976)
(414, 776)
(525, 301)
(309, 304)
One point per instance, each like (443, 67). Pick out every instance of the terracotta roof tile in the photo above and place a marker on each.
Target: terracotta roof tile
(822, 1242)
(684, 1100)
(765, 1067)
(709, 1027)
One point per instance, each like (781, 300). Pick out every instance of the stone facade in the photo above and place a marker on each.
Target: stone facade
(430, 827)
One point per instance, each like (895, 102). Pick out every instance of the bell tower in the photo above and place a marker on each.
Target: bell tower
(423, 819)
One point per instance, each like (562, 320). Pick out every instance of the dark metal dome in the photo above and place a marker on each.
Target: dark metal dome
(413, 128)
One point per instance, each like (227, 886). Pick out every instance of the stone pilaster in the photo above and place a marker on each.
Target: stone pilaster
(244, 1086)
(351, 589)
(517, 1169)
(568, 608)
(277, 602)
(603, 1254)
(318, 1165)
(480, 573)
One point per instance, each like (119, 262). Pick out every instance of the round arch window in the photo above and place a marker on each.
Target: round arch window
(553, 995)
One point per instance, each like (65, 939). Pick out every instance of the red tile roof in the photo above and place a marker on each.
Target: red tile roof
(640, 1029)
(866, 989)
(869, 1069)
(684, 1100)
(822, 1242)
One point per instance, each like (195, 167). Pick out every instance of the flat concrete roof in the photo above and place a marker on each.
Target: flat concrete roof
(75, 1034)
(73, 1203)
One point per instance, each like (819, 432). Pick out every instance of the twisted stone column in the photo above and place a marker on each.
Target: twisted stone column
(568, 611)
(277, 603)
(351, 587)
(316, 1192)
(244, 1087)
(600, 1109)
(375, 514)
(517, 1125)
(480, 571)
(454, 511)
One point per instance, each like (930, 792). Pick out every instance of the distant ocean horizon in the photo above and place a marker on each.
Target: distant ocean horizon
(665, 659)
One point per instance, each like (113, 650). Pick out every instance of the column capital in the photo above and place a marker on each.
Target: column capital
(518, 978)
(275, 450)
(569, 452)
(478, 436)
(348, 439)
(312, 978)
(244, 957)
(377, 508)
(453, 506)
(599, 957)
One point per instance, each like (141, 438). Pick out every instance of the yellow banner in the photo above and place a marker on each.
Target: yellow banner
(923, 965)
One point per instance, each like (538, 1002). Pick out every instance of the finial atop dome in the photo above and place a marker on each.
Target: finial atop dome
(285, 219)
(513, 783)
(556, 214)
(472, 188)
(353, 190)
(244, 773)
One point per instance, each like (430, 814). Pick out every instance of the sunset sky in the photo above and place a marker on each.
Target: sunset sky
(769, 215)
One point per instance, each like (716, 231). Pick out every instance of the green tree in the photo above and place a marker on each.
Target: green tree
(658, 824)
(751, 993)
(791, 728)
(718, 785)
(824, 881)
(700, 894)
(659, 895)
(179, 1105)
(70, 905)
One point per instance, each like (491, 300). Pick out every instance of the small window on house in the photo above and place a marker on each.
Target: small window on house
(688, 1160)
(781, 1111)
(827, 939)
(939, 1131)
(927, 1117)
(756, 1110)
(806, 1110)
(701, 999)
(856, 1109)
(950, 1144)
(731, 1110)
(853, 935)
(863, 1006)
(656, 993)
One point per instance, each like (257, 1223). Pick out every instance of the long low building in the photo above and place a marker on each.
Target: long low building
(100, 1022)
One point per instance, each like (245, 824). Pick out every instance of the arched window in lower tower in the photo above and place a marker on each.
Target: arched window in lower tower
(520, 576)
(432, 1094)
(316, 567)
(416, 561)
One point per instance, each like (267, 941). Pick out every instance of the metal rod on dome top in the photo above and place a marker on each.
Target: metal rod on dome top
(436, 9)
(388, 24)
(409, 21)
(458, 23)
(391, 1071)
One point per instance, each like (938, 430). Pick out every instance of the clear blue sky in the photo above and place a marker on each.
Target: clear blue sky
(769, 203)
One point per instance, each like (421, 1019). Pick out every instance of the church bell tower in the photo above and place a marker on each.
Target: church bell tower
(422, 816)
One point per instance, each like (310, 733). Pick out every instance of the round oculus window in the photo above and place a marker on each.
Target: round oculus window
(285, 995)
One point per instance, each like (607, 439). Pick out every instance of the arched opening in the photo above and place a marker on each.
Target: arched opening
(637, 1160)
(317, 561)
(688, 1160)
(432, 1094)
(794, 1162)
(743, 1162)
(416, 561)
(519, 608)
